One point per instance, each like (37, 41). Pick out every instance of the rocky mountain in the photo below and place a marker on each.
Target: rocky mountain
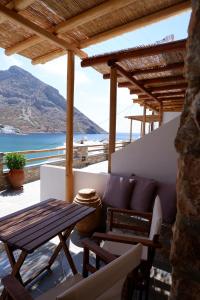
(30, 105)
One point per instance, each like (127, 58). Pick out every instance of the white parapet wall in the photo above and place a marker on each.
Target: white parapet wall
(153, 156)
(168, 116)
(52, 182)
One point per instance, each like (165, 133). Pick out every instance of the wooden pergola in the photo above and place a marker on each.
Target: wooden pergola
(45, 29)
(151, 119)
(155, 73)
(42, 30)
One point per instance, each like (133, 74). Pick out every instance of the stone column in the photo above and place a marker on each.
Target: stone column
(185, 252)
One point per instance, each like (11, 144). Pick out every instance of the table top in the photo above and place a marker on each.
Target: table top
(31, 227)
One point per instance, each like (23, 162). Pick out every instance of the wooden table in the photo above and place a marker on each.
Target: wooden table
(32, 227)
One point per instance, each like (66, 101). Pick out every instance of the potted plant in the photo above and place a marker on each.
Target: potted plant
(15, 162)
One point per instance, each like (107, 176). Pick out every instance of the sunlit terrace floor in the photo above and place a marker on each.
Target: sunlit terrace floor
(13, 201)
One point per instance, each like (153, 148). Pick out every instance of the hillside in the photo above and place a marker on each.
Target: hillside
(30, 105)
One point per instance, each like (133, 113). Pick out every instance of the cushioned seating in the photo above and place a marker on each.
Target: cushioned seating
(118, 191)
(143, 195)
(167, 194)
(141, 199)
(120, 248)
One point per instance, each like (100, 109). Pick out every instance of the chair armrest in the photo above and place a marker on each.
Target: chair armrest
(116, 224)
(14, 289)
(125, 239)
(145, 215)
(104, 255)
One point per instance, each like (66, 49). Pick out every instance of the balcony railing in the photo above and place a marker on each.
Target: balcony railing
(82, 153)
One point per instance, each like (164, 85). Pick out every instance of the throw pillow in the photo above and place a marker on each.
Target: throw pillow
(143, 195)
(118, 191)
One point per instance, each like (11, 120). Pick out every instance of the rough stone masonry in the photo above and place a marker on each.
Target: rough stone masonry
(185, 252)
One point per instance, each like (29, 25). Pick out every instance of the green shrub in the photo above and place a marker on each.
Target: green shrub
(15, 160)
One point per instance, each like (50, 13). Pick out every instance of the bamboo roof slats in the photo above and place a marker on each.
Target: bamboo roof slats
(136, 52)
(33, 27)
(154, 72)
(156, 12)
(134, 82)
(74, 24)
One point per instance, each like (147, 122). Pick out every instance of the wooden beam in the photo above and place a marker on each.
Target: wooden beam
(156, 69)
(30, 26)
(172, 80)
(159, 80)
(174, 95)
(138, 23)
(163, 89)
(48, 56)
(134, 53)
(163, 95)
(159, 92)
(20, 46)
(64, 26)
(165, 102)
(175, 99)
(17, 5)
(104, 8)
(134, 82)
(149, 118)
(69, 126)
(113, 112)
(178, 86)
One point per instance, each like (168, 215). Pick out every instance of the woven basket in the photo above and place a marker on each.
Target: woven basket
(89, 197)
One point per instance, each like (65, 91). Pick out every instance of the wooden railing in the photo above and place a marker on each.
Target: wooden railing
(86, 153)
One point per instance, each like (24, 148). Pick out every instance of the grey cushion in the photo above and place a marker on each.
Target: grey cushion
(167, 195)
(143, 194)
(118, 191)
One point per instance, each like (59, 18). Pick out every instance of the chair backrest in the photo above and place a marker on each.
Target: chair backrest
(156, 219)
(113, 275)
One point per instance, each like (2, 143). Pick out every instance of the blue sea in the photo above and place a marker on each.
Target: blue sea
(13, 142)
(37, 141)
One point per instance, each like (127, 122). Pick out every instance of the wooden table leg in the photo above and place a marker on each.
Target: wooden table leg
(67, 253)
(15, 265)
(59, 247)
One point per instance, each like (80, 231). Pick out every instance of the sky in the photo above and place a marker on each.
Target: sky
(91, 90)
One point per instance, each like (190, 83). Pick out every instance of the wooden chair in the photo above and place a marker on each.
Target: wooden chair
(118, 243)
(105, 284)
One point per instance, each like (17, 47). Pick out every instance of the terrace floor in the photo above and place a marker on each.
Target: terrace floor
(12, 201)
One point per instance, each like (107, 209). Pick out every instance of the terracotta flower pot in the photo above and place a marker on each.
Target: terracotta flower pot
(16, 178)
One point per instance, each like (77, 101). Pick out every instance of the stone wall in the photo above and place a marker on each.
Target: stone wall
(185, 252)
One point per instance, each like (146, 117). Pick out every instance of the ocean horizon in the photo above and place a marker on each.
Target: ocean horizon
(36, 141)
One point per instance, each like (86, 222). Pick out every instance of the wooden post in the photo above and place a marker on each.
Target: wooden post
(144, 121)
(113, 109)
(131, 130)
(152, 124)
(69, 126)
(160, 114)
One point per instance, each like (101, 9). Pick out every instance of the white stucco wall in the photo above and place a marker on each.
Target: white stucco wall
(52, 181)
(153, 156)
(168, 116)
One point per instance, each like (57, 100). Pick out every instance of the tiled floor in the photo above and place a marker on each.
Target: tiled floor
(37, 260)
(13, 201)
